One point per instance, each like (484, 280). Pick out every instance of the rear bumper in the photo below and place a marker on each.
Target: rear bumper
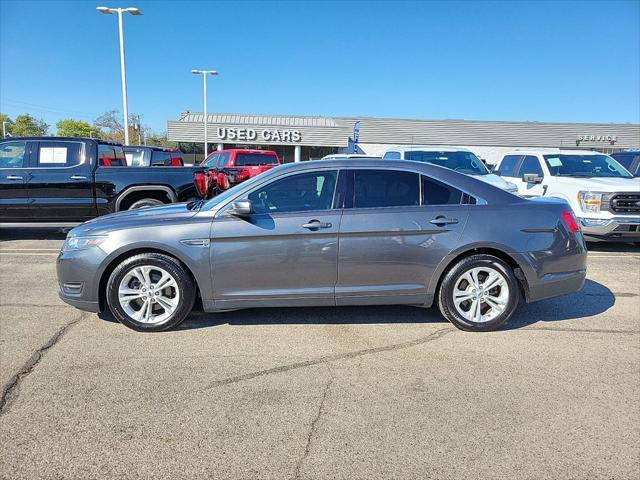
(617, 229)
(556, 284)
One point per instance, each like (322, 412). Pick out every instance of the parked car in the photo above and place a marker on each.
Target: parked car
(336, 232)
(233, 166)
(145, 156)
(69, 180)
(603, 194)
(629, 159)
(455, 158)
(339, 156)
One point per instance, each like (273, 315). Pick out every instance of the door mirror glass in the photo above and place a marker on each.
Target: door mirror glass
(241, 208)
(531, 178)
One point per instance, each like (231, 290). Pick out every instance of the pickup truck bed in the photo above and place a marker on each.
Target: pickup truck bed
(64, 180)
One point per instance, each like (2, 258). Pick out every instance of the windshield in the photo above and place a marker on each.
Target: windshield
(576, 165)
(255, 159)
(463, 162)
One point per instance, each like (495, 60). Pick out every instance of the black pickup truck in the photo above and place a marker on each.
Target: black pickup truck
(57, 180)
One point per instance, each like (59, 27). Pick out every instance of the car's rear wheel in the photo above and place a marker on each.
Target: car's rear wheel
(480, 293)
(146, 203)
(150, 292)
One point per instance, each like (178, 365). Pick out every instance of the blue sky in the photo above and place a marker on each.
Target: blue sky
(544, 61)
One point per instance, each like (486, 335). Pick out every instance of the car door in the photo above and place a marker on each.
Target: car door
(396, 227)
(530, 165)
(14, 173)
(60, 186)
(286, 252)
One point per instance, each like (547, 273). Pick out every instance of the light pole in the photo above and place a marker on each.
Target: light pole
(123, 74)
(204, 74)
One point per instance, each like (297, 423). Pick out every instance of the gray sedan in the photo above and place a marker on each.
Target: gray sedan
(330, 233)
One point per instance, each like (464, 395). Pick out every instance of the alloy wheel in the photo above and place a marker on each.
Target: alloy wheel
(481, 294)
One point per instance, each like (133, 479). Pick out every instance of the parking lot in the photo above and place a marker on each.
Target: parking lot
(391, 392)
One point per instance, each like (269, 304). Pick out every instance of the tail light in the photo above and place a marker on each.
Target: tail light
(571, 221)
(223, 181)
(202, 183)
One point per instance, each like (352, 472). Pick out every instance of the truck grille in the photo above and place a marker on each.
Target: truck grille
(625, 203)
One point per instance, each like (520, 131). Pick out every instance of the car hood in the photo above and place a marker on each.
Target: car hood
(495, 180)
(603, 184)
(135, 218)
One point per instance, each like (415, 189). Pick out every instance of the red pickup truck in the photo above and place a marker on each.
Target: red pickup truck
(232, 166)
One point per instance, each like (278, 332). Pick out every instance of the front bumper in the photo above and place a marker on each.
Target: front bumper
(78, 278)
(616, 229)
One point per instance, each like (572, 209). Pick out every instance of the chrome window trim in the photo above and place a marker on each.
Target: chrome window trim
(219, 209)
(83, 156)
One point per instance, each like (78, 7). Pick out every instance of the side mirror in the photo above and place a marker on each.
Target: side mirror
(241, 208)
(531, 178)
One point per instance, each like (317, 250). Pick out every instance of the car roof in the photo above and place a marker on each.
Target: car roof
(70, 139)
(162, 149)
(428, 148)
(536, 151)
(247, 150)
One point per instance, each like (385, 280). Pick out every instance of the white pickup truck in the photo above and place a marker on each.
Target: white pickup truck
(603, 194)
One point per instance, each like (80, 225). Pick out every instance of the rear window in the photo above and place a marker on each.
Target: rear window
(135, 157)
(160, 158)
(111, 156)
(464, 162)
(255, 159)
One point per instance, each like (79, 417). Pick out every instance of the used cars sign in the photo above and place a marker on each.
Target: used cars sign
(266, 135)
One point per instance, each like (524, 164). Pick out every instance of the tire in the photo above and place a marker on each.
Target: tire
(145, 203)
(496, 304)
(134, 278)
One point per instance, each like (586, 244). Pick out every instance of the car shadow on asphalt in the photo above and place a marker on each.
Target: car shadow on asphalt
(593, 299)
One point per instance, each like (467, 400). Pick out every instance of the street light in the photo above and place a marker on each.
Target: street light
(123, 74)
(204, 74)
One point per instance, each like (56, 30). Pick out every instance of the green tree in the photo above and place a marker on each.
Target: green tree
(76, 128)
(5, 123)
(27, 126)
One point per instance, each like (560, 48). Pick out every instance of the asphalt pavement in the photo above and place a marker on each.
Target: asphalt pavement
(346, 393)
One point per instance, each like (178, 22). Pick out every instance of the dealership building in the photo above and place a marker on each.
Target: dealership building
(301, 138)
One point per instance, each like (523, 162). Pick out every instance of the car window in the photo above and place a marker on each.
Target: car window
(135, 157)
(385, 188)
(296, 193)
(587, 166)
(160, 158)
(530, 164)
(627, 160)
(255, 159)
(392, 156)
(460, 161)
(223, 160)
(211, 160)
(438, 193)
(59, 154)
(119, 159)
(508, 165)
(12, 154)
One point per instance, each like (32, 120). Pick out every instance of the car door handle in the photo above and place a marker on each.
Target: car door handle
(14, 177)
(78, 177)
(316, 224)
(441, 221)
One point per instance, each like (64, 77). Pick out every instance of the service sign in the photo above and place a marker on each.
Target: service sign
(597, 138)
(266, 135)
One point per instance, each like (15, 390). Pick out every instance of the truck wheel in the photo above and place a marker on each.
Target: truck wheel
(479, 293)
(150, 292)
(146, 203)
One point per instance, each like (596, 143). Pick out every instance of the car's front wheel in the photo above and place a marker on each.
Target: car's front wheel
(150, 292)
(480, 293)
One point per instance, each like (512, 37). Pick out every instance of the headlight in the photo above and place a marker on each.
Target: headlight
(81, 243)
(590, 202)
